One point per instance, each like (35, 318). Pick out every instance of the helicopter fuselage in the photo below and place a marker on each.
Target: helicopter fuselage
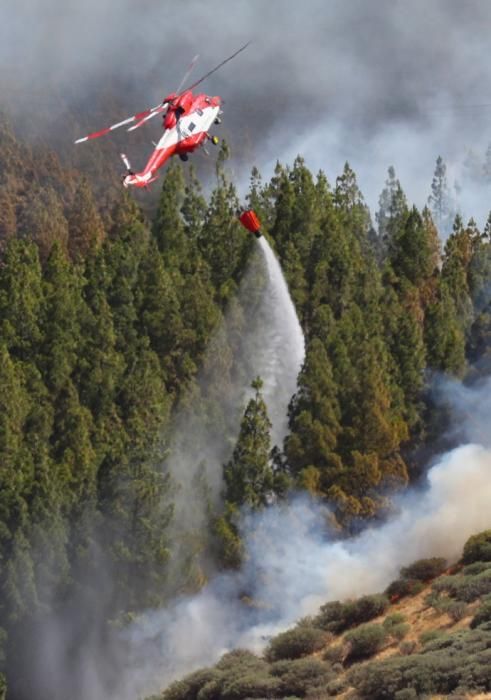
(186, 124)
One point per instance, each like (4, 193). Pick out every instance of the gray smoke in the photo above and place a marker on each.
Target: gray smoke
(376, 83)
(292, 567)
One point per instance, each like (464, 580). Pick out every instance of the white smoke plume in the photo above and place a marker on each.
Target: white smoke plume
(292, 566)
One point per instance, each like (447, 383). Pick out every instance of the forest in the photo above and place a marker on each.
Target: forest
(106, 313)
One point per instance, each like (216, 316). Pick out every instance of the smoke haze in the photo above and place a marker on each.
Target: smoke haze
(290, 576)
(378, 84)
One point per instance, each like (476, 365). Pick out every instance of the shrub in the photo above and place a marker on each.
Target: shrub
(406, 694)
(335, 653)
(400, 631)
(337, 617)
(424, 569)
(364, 609)
(336, 686)
(407, 647)
(477, 548)
(456, 663)
(241, 660)
(429, 636)
(465, 588)
(300, 676)
(189, 687)
(476, 567)
(403, 587)
(295, 643)
(436, 601)
(396, 626)
(211, 690)
(365, 640)
(483, 614)
(330, 616)
(456, 610)
(393, 620)
(250, 685)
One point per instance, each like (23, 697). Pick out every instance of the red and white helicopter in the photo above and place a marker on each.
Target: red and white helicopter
(186, 121)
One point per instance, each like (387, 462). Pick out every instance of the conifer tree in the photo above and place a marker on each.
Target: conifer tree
(455, 269)
(439, 200)
(411, 250)
(314, 421)
(85, 227)
(42, 220)
(349, 201)
(249, 478)
(393, 210)
(8, 217)
(21, 299)
(168, 226)
(223, 243)
(444, 337)
(65, 310)
(159, 314)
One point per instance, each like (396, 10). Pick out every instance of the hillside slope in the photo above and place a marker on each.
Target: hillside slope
(428, 635)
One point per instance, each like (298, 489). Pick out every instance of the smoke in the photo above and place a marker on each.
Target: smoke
(292, 566)
(377, 84)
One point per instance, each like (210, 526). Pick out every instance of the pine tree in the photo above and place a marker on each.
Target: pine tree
(249, 478)
(349, 201)
(314, 421)
(65, 310)
(42, 220)
(17, 584)
(411, 251)
(168, 226)
(223, 243)
(456, 262)
(8, 218)
(85, 227)
(159, 314)
(439, 200)
(392, 213)
(444, 337)
(21, 299)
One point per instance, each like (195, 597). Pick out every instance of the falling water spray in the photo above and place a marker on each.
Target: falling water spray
(284, 348)
(271, 346)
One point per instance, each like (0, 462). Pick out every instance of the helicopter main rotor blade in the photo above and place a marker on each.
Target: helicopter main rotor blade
(136, 117)
(187, 73)
(146, 118)
(207, 75)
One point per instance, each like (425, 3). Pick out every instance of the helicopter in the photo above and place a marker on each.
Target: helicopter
(187, 118)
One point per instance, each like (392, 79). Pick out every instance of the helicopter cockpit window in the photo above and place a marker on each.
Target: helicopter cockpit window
(191, 126)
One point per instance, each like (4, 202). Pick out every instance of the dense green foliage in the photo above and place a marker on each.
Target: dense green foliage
(105, 319)
(103, 325)
(458, 663)
(424, 569)
(337, 617)
(478, 548)
(295, 643)
(379, 309)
